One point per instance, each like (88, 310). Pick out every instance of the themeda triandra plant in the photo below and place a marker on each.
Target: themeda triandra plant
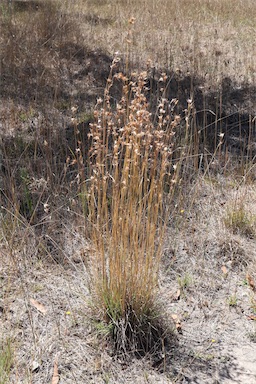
(130, 176)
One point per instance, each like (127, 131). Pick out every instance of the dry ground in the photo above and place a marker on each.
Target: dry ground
(206, 287)
(203, 286)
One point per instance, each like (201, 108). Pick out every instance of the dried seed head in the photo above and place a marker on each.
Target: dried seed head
(132, 20)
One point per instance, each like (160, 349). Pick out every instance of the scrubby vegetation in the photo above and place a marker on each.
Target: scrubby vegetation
(127, 191)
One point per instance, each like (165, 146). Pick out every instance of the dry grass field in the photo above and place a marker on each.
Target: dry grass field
(210, 38)
(127, 215)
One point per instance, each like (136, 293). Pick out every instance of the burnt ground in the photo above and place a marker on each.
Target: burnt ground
(204, 285)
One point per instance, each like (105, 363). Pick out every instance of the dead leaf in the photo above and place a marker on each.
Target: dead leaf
(224, 270)
(177, 322)
(251, 282)
(55, 376)
(40, 307)
(177, 295)
(251, 317)
(35, 366)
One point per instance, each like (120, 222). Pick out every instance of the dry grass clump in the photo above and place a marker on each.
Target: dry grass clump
(130, 163)
(240, 220)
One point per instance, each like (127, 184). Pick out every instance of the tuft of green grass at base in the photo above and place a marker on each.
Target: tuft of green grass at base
(6, 360)
(239, 220)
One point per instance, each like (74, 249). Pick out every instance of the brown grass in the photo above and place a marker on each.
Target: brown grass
(213, 39)
(130, 160)
(33, 42)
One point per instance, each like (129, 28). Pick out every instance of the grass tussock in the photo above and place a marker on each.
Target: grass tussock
(240, 220)
(126, 191)
(6, 361)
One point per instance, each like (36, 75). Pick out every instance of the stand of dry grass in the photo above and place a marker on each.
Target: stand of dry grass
(213, 39)
(130, 160)
(33, 42)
